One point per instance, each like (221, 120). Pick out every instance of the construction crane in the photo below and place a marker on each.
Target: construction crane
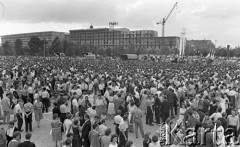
(165, 19)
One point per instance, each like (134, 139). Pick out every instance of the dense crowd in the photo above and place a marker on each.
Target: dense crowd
(194, 103)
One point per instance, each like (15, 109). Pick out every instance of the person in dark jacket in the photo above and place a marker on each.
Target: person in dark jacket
(85, 131)
(27, 143)
(223, 120)
(56, 109)
(209, 137)
(164, 109)
(157, 104)
(146, 140)
(171, 98)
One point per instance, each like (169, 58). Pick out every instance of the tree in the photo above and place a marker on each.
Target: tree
(35, 45)
(56, 46)
(7, 49)
(165, 51)
(119, 50)
(131, 49)
(65, 46)
(108, 51)
(100, 51)
(18, 47)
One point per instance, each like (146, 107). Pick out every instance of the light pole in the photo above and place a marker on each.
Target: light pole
(112, 24)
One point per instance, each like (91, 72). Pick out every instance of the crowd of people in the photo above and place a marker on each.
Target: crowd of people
(194, 104)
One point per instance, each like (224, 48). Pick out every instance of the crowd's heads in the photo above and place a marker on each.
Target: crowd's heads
(114, 138)
(147, 136)
(17, 135)
(219, 109)
(154, 138)
(129, 143)
(107, 132)
(55, 116)
(28, 136)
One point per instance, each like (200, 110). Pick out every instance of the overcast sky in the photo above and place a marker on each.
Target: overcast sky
(210, 19)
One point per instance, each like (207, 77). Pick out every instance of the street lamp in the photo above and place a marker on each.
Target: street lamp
(112, 24)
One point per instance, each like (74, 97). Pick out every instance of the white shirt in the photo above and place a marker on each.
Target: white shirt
(118, 119)
(17, 109)
(75, 103)
(30, 89)
(232, 93)
(45, 94)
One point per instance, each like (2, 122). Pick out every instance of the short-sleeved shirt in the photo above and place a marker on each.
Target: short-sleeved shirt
(17, 109)
(137, 113)
(5, 104)
(232, 121)
(123, 126)
(118, 119)
(45, 94)
(63, 108)
(28, 107)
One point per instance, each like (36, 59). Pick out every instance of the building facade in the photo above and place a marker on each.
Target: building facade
(25, 37)
(114, 38)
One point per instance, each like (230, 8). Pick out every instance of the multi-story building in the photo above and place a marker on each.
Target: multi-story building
(25, 37)
(114, 38)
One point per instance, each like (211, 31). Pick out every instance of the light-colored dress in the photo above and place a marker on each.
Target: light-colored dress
(92, 113)
(68, 125)
(38, 111)
(111, 108)
(222, 103)
(56, 130)
(143, 103)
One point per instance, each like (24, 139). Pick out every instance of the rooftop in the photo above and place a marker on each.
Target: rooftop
(33, 33)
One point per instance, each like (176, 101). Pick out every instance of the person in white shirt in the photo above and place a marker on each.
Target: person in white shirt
(30, 93)
(18, 114)
(45, 99)
(232, 96)
(75, 104)
(117, 121)
(102, 128)
(216, 115)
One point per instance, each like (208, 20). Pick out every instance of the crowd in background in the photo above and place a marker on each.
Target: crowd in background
(193, 103)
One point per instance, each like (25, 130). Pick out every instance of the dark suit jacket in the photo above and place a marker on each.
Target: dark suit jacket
(165, 108)
(86, 129)
(209, 139)
(27, 144)
(171, 97)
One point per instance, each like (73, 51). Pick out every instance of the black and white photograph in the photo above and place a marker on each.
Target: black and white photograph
(119, 73)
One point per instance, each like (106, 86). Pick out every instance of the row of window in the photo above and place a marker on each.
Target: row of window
(126, 46)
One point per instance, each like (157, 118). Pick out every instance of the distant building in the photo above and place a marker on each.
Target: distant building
(25, 37)
(114, 38)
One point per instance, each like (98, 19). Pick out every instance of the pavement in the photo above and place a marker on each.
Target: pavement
(42, 138)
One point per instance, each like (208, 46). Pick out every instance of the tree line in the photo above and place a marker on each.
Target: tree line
(39, 47)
